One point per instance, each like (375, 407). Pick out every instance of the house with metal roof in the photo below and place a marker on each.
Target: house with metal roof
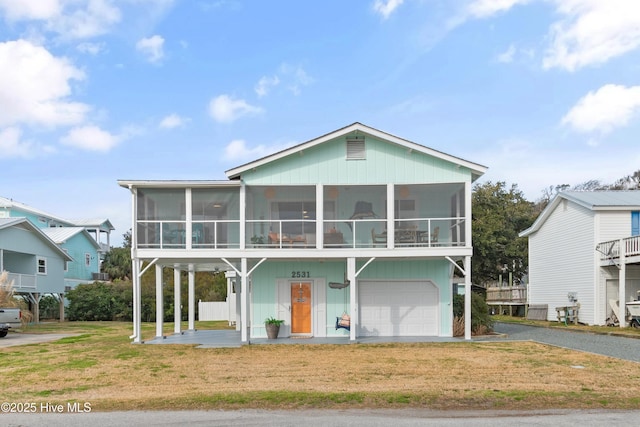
(83, 249)
(84, 241)
(584, 252)
(356, 224)
(35, 263)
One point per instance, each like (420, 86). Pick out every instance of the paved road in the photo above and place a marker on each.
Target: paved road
(332, 418)
(607, 345)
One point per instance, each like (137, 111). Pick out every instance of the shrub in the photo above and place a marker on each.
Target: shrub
(481, 321)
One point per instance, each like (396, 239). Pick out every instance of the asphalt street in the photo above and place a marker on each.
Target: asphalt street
(333, 418)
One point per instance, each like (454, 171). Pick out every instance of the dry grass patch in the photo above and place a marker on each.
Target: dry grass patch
(102, 367)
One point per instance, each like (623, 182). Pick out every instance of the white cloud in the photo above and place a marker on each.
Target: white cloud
(238, 150)
(30, 9)
(34, 87)
(609, 107)
(296, 77)
(90, 48)
(152, 48)
(486, 8)
(593, 32)
(386, 8)
(11, 144)
(225, 109)
(265, 84)
(507, 56)
(85, 19)
(90, 138)
(172, 121)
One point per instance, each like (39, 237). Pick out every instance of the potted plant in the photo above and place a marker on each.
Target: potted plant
(257, 240)
(272, 325)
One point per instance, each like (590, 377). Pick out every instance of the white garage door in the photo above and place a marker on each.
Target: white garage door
(398, 309)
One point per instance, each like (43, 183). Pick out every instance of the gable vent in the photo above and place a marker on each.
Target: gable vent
(355, 148)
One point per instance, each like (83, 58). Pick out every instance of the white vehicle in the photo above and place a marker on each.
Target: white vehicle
(9, 318)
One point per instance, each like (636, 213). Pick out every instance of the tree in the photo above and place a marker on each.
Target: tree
(499, 215)
(117, 263)
(98, 301)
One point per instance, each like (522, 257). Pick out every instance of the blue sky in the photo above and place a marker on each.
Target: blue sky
(543, 92)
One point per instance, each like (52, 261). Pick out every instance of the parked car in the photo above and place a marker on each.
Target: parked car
(9, 318)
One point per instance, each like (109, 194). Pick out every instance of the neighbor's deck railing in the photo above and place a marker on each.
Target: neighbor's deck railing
(611, 249)
(507, 295)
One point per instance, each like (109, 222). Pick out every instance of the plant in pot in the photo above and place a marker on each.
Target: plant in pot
(272, 326)
(257, 240)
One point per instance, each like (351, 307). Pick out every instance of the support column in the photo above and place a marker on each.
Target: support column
(61, 307)
(177, 300)
(137, 304)
(622, 285)
(159, 303)
(192, 298)
(353, 292)
(467, 298)
(36, 307)
(244, 302)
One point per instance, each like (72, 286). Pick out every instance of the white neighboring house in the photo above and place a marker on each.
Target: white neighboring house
(574, 252)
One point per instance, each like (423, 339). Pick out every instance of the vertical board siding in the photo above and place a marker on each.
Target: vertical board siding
(561, 260)
(385, 163)
(265, 289)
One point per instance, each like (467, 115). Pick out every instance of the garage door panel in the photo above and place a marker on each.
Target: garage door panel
(398, 309)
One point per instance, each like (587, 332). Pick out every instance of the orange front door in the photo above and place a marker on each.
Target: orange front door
(301, 308)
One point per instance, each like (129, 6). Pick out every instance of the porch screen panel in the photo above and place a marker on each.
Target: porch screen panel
(289, 210)
(161, 217)
(216, 217)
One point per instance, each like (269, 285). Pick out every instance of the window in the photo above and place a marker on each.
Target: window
(42, 265)
(87, 259)
(66, 263)
(635, 223)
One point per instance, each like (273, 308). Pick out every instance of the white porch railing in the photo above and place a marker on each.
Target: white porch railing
(23, 281)
(301, 233)
(611, 249)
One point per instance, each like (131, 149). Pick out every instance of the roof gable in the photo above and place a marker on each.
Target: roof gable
(61, 235)
(622, 200)
(26, 224)
(357, 129)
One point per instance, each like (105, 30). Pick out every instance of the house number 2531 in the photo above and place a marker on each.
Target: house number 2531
(300, 274)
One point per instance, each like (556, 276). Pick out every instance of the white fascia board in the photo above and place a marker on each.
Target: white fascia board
(476, 169)
(175, 183)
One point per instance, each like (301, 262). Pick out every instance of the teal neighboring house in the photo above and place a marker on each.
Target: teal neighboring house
(356, 224)
(83, 243)
(35, 263)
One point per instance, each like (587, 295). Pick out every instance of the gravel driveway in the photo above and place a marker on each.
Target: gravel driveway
(607, 345)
